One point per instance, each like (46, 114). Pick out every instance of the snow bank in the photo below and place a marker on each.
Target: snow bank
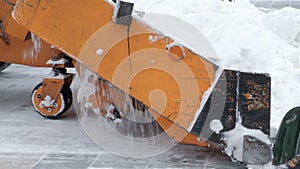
(243, 39)
(247, 39)
(286, 24)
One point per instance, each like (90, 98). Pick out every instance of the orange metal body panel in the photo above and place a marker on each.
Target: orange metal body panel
(19, 50)
(68, 25)
(52, 87)
(11, 26)
(16, 52)
(177, 133)
(101, 101)
(14, 29)
(64, 23)
(5, 10)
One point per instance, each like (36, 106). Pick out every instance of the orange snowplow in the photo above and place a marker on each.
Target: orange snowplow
(182, 90)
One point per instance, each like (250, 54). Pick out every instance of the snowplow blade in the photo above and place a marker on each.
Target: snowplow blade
(247, 94)
(182, 90)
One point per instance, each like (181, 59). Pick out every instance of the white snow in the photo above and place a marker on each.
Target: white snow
(239, 33)
(54, 75)
(153, 39)
(287, 28)
(216, 126)
(47, 102)
(234, 139)
(246, 39)
(109, 113)
(116, 9)
(129, 1)
(61, 61)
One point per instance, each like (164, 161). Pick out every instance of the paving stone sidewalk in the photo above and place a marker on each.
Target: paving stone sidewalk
(30, 141)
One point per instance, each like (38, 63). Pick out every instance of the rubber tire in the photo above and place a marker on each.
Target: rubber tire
(4, 65)
(67, 98)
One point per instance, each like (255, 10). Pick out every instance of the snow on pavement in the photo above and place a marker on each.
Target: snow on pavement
(28, 140)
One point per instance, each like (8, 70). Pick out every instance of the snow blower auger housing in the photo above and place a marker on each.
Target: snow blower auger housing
(140, 65)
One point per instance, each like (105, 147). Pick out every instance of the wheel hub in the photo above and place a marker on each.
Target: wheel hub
(47, 106)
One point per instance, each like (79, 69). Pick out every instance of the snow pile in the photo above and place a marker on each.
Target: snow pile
(288, 28)
(241, 36)
(234, 139)
(246, 39)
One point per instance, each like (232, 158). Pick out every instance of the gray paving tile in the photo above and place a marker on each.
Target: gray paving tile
(120, 165)
(18, 160)
(181, 156)
(66, 161)
(25, 137)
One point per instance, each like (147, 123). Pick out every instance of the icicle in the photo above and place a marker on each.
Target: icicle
(33, 52)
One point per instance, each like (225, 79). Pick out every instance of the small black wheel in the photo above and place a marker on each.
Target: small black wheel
(67, 92)
(58, 106)
(4, 65)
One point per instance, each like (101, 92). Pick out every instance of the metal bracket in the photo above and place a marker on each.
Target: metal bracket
(123, 13)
